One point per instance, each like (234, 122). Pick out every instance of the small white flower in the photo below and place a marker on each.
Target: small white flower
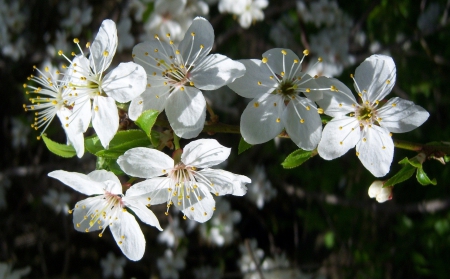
(177, 74)
(171, 234)
(108, 208)
(275, 83)
(252, 13)
(89, 83)
(380, 193)
(113, 266)
(261, 190)
(368, 124)
(126, 39)
(183, 184)
(52, 99)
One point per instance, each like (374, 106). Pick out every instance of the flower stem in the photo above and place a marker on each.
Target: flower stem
(408, 145)
(176, 141)
(214, 117)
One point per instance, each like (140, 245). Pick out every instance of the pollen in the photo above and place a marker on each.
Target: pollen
(283, 52)
(96, 108)
(388, 81)
(295, 61)
(320, 110)
(364, 139)
(340, 128)
(357, 153)
(384, 147)
(100, 235)
(192, 34)
(307, 90)
(278, 120)
(192, 208)
(320, 59)
(76, 41)
(88, 45)
(259, 82)
(394, 104)
(264, 60)
(333, 88)
(105, 53)
(202, 46)
(306, 52)
(302, 121)
(308, 107)
(341, 143)
(256, 104)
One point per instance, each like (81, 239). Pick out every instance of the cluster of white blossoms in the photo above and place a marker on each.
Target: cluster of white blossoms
(170, 77)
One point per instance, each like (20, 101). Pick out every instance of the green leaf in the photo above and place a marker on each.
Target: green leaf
(63, 150)
(328, 239)
(243, 145)
(155, 138)
(93, 144)
(405, 173)
(146, 121)
(123, 141)
(423, 178)
(296, 158)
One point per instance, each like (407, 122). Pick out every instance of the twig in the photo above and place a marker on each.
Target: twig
(250, 252)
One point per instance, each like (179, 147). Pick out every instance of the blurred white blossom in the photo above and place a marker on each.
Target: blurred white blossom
(19, 132)
(112, 266)
(207, 272)
(57, 201)
(171, 263)
(261, 190)
(172, 233)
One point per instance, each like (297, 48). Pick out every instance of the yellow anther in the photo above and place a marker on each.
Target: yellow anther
(168, 35)
(202, 46)
(155, 50)
(86, 230)
(384, 147)
(184, 217)
(364, 139)
(357, 153)
(105, 53)
(340, 127)
(177, 51)
(274, 104)
(341, 143)
(156, 36)
(278, 120)
(320, 59)
(306, 52)
(307, 90)
(75, 40)
(205, 213)
(390, 134)
(283, 52)
(351, 75)
(388, 81)
(182, 88)
(264, 60)
(316, 76)
(295, 61)
(73, 53)
(308, 107)
(96, 108)
(192, 34)
(333, 88)
(259, 82)
(394, 104)
(60, 52)
(282, 74)
(320, 110)
(100, 235)
(192, 208)
(88, 45)
(302, 121)
(256, 104)
(166, 213)
(191, 83)
(120, 242)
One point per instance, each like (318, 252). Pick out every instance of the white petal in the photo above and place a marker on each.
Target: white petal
(204, 153)
(82, 220)
(375, 188)
(125, 82)
(338, 136)
(200, 211)
(74, 130)
(248, 86)
(151, 98)
(373, 75)
(305, 135)
(103, 175)
(215, 71)
(106, 40)
(153, 188)
(308, 83)
(128, 236)
(335, 103)
(82, 111)
(245, 20)
(261, 119)
(400, 116)
(146, 215)
(79, 182)
(376, 150)
(190, 45)
(144, 162)
(149, 54)
(275, 59)
(105, 119)
(225, 182)
(186, 111)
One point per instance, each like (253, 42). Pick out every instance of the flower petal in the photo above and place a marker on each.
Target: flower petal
(79, 182)
(303, 123)
(261, 119)
(82, 220)
(376, 150)
(204, 153)
(149, 54)
(128, 236)
(225, 182)
(280, 62)
(105, 119)
(375, 76)
(151, 98)
(186, 111)
(195, 209)
(248, 85)
(144, 162)
(74, 130)
(338, 101)
(215, 71)
(338, 136)
(103, 175)
(197, 41)
(153, 188)
(125, 82)
(146, 215)
(400, 116)
(104, 46)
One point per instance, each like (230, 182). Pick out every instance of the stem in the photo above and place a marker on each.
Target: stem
(176, 141)
(214, 117)
(408, 145)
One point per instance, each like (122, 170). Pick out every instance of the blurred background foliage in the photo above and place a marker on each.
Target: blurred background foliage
(321, 218)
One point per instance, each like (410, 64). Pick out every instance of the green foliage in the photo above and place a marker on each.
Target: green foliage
(63, 150)
(297, 158)
(408, 169)
(146, 121)
(243, 146)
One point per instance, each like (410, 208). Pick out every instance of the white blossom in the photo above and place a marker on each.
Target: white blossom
(275, 84)
(57, 201)
(380, 193)
(108, 208)
(171, 263)
(183, 184)
(261, 190)
(177, 74)
(95, 94)
(171, 234)
(367, 125)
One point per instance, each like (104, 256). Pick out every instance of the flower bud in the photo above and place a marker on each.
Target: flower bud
(380, 193)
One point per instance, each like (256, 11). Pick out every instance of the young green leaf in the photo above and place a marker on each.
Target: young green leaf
(123, 141)
(423, 178)
(243, 145)
(146, 121)
(296, 158)
(63, 150)
(93, 144)
(405, 173)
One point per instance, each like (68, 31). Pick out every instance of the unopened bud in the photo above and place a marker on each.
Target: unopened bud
(380, 193)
